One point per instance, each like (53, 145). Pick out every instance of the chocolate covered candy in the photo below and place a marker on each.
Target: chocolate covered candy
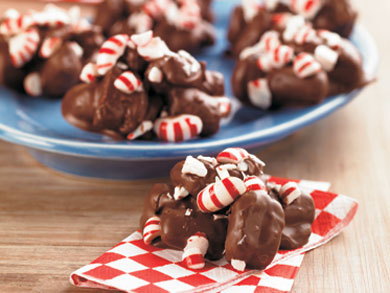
(254, 232)
(137, 86)
(296, 66)
(222, 205)
(250, 20)
(182, 24)
(44, 51)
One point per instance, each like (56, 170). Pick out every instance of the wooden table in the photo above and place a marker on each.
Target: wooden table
(51, 224)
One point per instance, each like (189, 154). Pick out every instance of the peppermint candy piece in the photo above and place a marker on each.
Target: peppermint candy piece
(52, 16)
(127, 83)
(220, 194)
(49, 46)
(15, 24)
(155, 49)
(110, 52)
(259, 93)
(224, 106)
(271, 4)
(289, 192)
(155, 75)
(88, 73)
(77, 49)
(306, 8)
(281, 19)
(23, 46)
(189, 15)
(305, 65)
(326, 57)
(255, 183)
(180, 192)
(142, 39)
(265, 62)
(195, 250)
(331, 39)
(305, 34)
(143, 128)
(178, 128)
(194, 166)
(32, 84)
(238, 264)
(250, 9)
(270, 41)
(294, 23)
(281, 56)
(232, 155)
(155, 8)
(141, 22)
(152, 229)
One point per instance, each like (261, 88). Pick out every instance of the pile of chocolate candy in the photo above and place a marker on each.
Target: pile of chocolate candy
(138, 87)
(182, 24)
(225, 206)
(43, 52)
(284, 61)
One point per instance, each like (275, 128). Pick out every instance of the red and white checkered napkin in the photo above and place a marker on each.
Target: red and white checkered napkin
(134, 266)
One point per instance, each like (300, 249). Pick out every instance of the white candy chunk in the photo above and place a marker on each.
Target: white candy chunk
(79, 51)
(155, 75)
(223, 170)
(143, 128)
(192, 65)
(259, 93)
(194, 166)
(238, 265)
(180, 192)
(141, 22)
(211, 160)
(32, 84)
(326, 57)
(294, 23)
(250, 8)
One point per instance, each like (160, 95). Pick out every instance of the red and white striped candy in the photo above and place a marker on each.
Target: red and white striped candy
(220, 194)
(189, 14)
(141, 22)
(142, 39)
(259, 93)
(282, 55)
(331, 39)
(16, 25)
(305, 65)
(143, 128)
(306, 8)
(23, 46)
(326, 57)
(52, 16)
(269, 41)
(289, 192)
(155, 49)
(178, 128)
(232, 155)
(305, 34)
(155, 8)
(265, 62)
(294, 23)
(49, 46)
(195, 250)
(32, 84)
(127, 83)
(255, 183)
(88, 73)
(224, 106)
(110, 52)
(152, 229)
(280, 19)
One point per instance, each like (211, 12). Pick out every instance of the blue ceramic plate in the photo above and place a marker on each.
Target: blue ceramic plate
(37, 124)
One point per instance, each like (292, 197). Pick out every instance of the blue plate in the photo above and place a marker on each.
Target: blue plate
(37, 124)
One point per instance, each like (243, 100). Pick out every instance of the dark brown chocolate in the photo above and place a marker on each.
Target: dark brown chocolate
(254, 231)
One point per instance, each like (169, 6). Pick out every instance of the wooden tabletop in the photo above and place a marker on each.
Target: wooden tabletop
(51, 224)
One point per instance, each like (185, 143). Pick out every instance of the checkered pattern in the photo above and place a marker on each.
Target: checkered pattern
(133, 266)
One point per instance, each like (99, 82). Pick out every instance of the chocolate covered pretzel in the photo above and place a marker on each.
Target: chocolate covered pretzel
(224, 205)
(182, 24)
(296, 65)
(43, 51)
(138, 88)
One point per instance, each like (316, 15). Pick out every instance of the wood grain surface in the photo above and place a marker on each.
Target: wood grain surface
(51, 224)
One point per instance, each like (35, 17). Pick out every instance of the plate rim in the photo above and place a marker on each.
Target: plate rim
(164, 150)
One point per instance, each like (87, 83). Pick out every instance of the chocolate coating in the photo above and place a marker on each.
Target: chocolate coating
(9, 75)
(191, 182)
(255, 230)
(299, 215)
(100, 107)
(177, 227)
(61, 71)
